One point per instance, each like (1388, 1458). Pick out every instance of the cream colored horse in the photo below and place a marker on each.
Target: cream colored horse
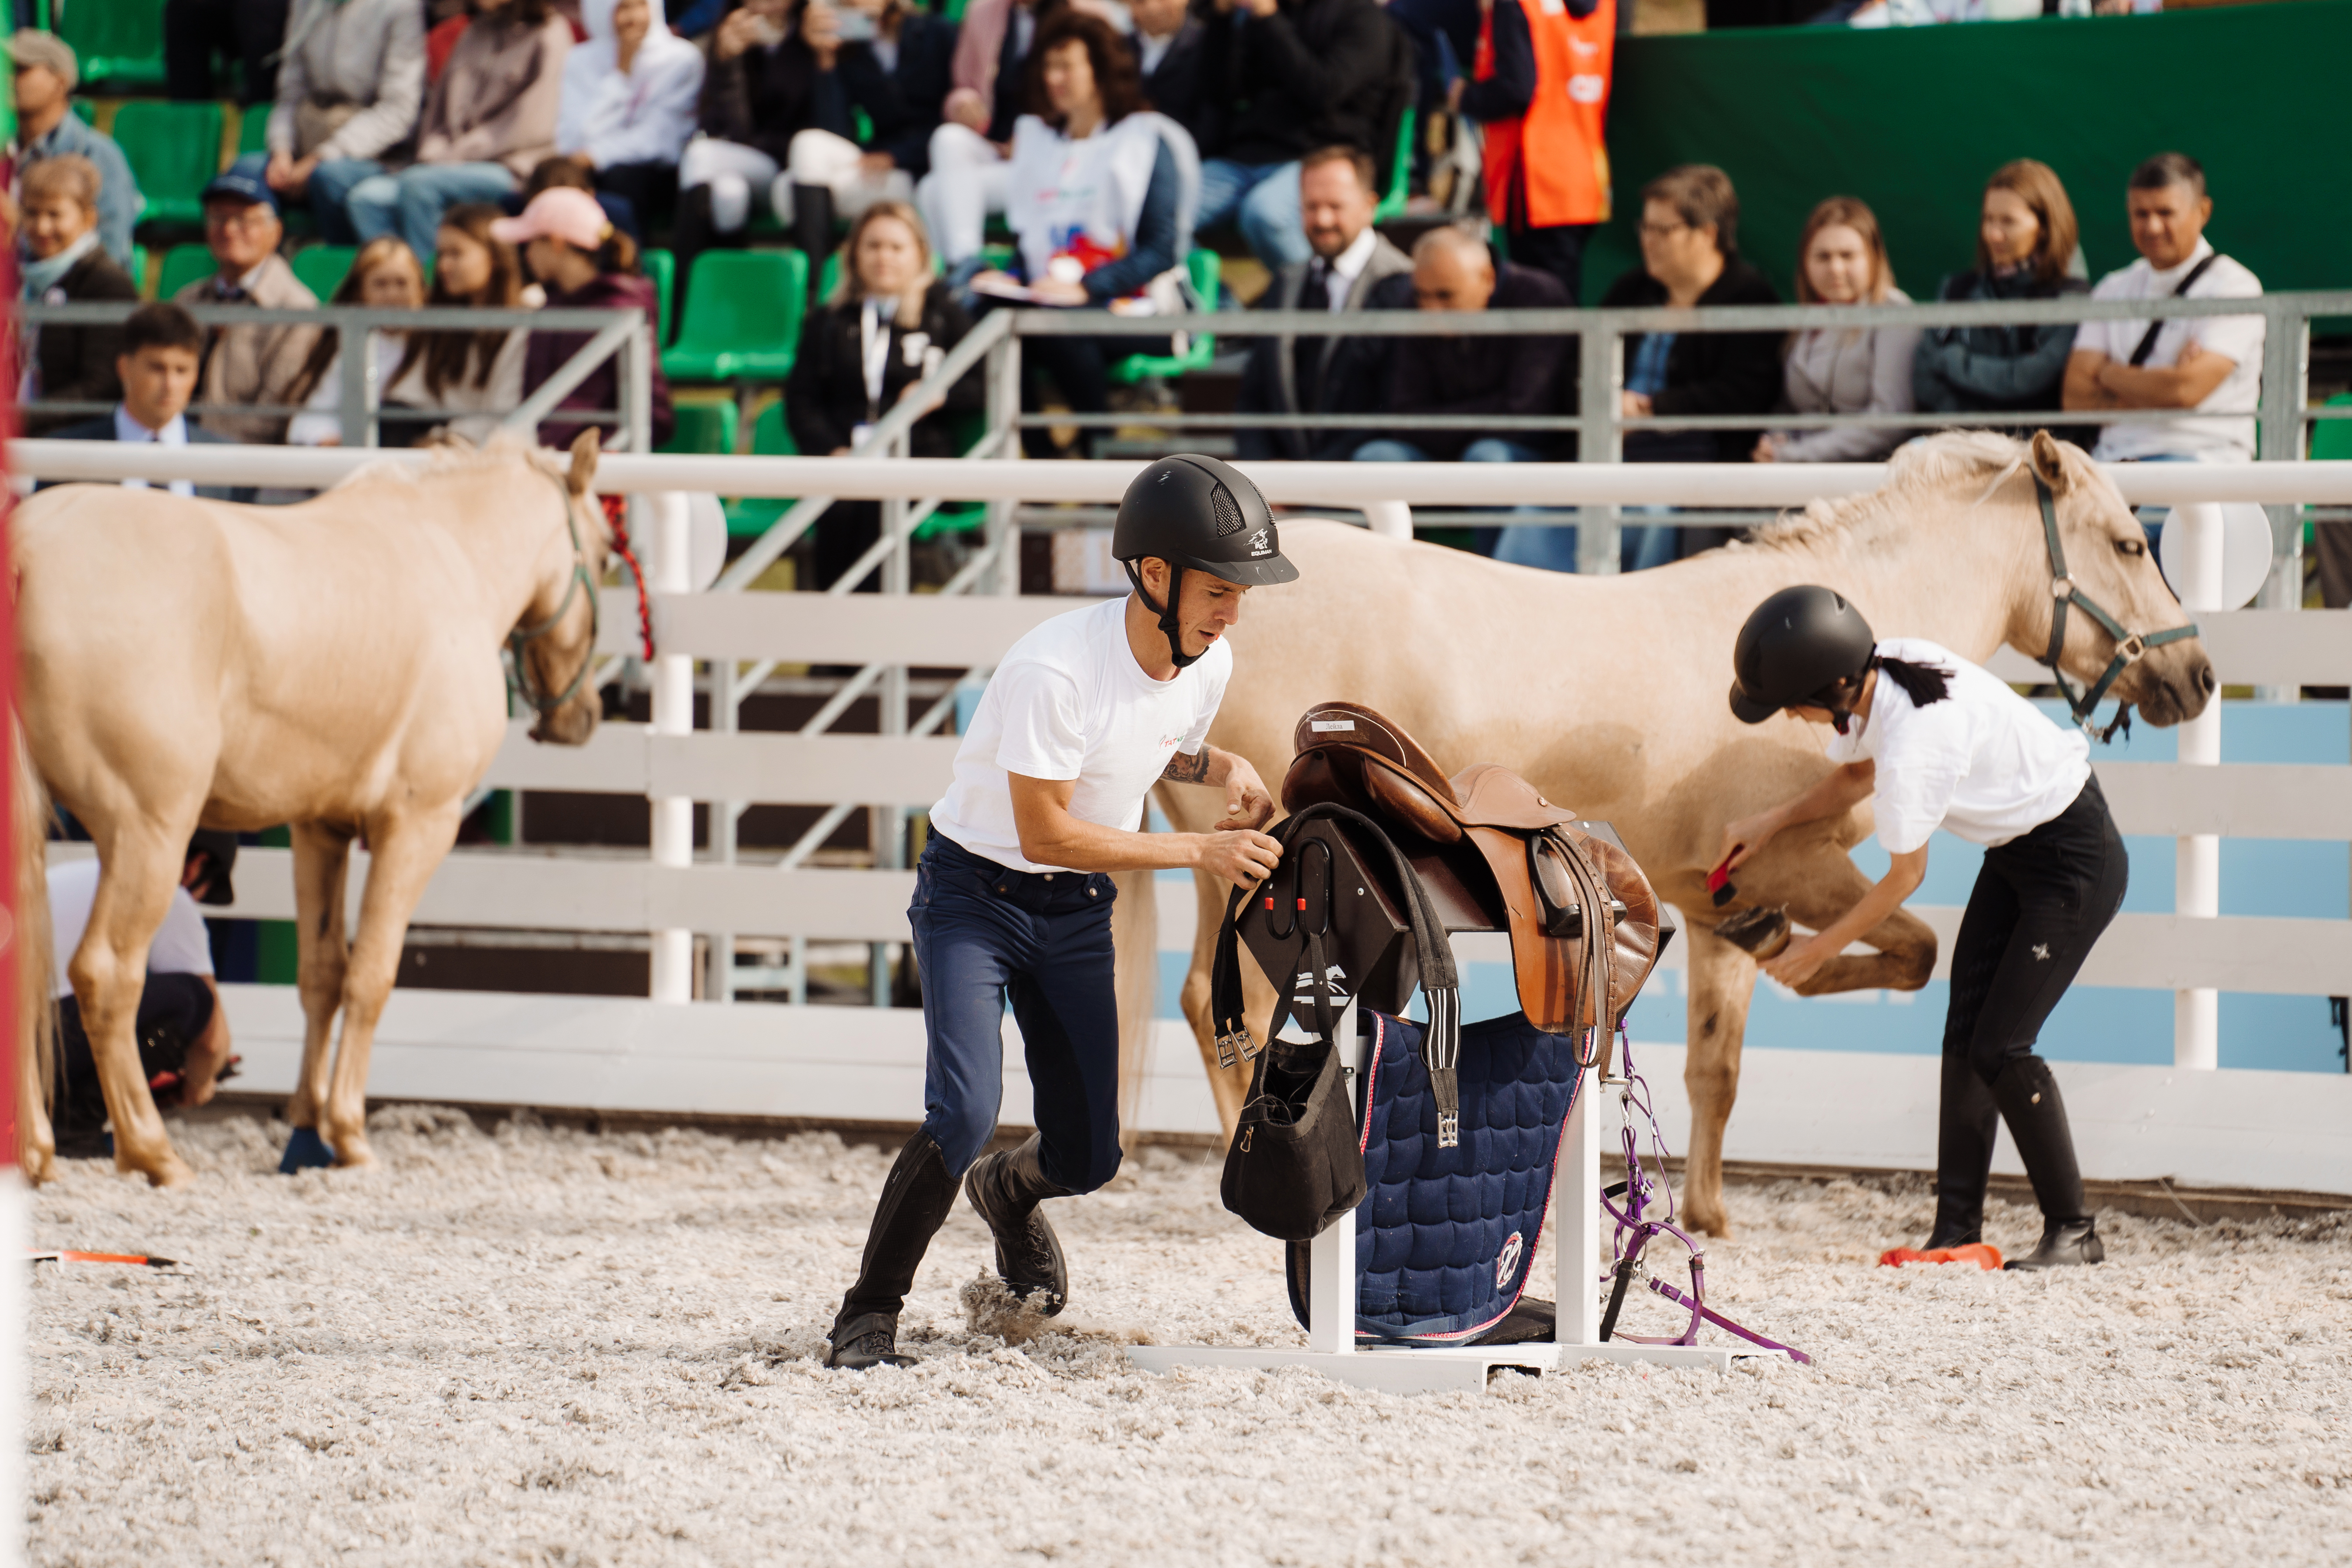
(1610, 693)
(334, 665)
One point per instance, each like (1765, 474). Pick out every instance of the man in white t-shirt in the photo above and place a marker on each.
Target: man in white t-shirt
(1012, 897)
(183, 1033)
(2212, 365)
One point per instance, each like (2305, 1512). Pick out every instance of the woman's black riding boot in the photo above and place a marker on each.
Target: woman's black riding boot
(1006, 1189)
(1966, 1121)
(916, 1198)
(2027, 1092)
(813, 227)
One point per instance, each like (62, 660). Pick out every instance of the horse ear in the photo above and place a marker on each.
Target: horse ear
(584, 461)
(2049, 462)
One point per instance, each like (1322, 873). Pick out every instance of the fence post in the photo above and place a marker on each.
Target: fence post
(2196, 858)
(673, 714)
(889, 818)
(1601, 375)
(1003, 388)
(2286, 369)
(355, 385)
(718, 985)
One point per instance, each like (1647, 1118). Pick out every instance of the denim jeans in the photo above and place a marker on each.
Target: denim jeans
(330, 189)
(984, 934)
(410, 202)
(1262, 199)
(1538, 542)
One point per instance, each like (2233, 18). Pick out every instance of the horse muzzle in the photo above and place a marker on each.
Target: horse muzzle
(570, 724)
(2171, 685)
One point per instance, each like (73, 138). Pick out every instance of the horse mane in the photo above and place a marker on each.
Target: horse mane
(1919, 470)
(456, 457)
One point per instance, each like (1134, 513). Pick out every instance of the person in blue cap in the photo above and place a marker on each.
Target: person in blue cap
(258, 364)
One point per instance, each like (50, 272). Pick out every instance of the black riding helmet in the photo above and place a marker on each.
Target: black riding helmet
(1796, 644)
(1197, 514)
(220, 848)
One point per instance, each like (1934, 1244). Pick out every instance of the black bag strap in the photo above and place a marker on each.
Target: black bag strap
(2147, 339)
(1440, 1046)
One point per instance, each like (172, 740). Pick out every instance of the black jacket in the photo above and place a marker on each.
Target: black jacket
(1179, 87)
(763, 97)
(102, 429)
(1963, 370)
(77, 363)
(1314, 74)
(903, 102)
(1709, 373)
(826, 398)
(1514, 375)
(1348, 371)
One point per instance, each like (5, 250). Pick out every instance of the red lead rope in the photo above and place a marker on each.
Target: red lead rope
(616, 516)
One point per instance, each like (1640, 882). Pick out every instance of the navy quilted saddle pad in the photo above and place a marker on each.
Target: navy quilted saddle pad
(1446, 1237)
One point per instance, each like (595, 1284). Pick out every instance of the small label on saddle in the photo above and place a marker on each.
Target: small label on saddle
(1326, 726)
(1508, 1263)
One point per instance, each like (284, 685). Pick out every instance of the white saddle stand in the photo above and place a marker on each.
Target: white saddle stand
(1331, 1347)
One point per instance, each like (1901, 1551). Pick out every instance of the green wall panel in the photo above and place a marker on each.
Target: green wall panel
(1913, 120)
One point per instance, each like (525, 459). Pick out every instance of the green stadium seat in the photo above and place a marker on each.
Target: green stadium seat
(828, 277)
(748, 517)
(323, 267)
(1208, 273)
(702, 427)
(138, 270)
(118, 42)
(86, 109)
(253, 131)
(175, 152)
(742, 320)
(2331, 439)
(1400, 169)
(661, 266)
(183, 265)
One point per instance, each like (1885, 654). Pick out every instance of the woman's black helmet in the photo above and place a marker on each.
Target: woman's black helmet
(1796, 644)
(1197, 514)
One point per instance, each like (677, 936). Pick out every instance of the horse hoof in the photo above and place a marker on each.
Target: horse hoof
(305, 1150)
(172, 1173)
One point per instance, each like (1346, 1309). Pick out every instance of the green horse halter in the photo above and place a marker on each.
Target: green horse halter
(518, 679)
(2129, 645)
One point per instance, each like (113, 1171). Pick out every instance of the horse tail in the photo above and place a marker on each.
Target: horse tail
(1135, 941)
(37, 1064)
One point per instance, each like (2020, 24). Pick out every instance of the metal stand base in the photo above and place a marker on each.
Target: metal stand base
(1452, 1370)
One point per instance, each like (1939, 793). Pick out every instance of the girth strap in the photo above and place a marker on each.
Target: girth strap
(2130, 647)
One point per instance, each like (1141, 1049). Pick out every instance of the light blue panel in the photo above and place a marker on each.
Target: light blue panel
(2284, 1034)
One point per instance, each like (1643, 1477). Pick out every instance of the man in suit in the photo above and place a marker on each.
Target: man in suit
(1337, 195)
(161, 350)
(1171, 47)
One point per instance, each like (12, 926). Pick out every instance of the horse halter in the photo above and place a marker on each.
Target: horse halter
(518, 678)
(2129, 645)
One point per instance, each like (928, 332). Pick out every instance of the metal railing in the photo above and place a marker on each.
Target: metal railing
(360, 401)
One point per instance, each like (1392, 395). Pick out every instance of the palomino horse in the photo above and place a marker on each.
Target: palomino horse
(1609, 693)
(334, 665)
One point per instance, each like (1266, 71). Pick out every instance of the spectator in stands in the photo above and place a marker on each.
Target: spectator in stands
(64, 264)
(628, 106)
(585, 264)
(1172, 47)
(773, 73)
(1540, 97)
(1453, 270)
(248, 30)
(2025, 243)
(1300, 74)
(887, 328)
(559, 171)
(384, 276)
(46, 126)
(349, 92)
(253, 366)
(2212, 363)
(477, 374)
(1690, 256)
(487, 122)
(1841, 261)
(1323, 375)
(1093, 205)
(163, 349)
(898, 75)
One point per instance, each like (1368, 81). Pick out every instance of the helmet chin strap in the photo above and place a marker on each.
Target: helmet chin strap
(1169, 627)
(1840, 712)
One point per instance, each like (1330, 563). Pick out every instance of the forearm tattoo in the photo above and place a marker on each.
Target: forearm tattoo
(1181, 769)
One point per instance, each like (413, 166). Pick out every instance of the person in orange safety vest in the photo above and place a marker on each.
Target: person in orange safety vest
(1540, 90)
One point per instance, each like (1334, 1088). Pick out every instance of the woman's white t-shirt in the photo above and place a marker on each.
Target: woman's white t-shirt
(1070, 702)
(1983, 762)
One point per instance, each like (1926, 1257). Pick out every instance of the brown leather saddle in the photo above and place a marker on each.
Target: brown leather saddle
(1490, 852)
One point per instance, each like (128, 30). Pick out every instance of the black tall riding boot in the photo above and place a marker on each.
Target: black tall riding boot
(2027, 1092)
(1006, 1189)
(916, 1198)
(813, 227)
(1966, 1121)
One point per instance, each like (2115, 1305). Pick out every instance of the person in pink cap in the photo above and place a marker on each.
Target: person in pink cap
(585, 263)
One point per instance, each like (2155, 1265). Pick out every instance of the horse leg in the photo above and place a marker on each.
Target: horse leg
(1722, 983)
(406, 850)
(322, 863)
(1905, 944)
(142, 861)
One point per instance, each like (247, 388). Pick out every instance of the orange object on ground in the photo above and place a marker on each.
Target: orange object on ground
(1975, 1252)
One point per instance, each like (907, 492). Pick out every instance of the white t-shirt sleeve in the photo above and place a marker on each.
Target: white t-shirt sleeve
(1920, 767)
(182, 945)
(1045, 733)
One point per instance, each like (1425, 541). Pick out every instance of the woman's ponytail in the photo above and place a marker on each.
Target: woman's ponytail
(618, 253)
(1923, 683)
